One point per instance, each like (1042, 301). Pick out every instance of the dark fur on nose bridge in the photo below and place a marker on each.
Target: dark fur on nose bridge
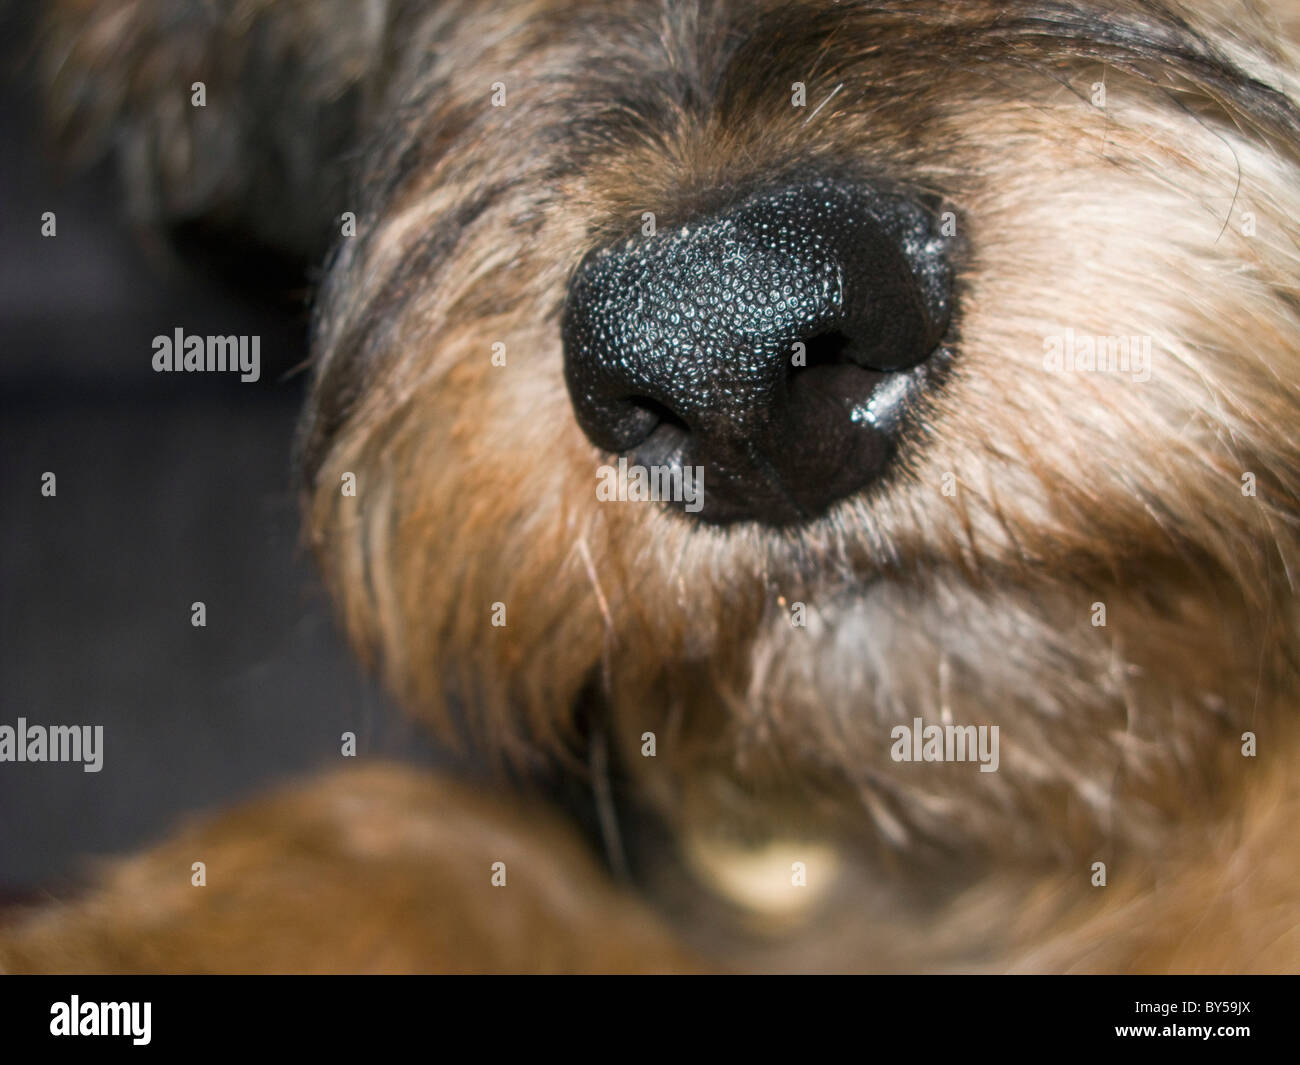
(774, 343)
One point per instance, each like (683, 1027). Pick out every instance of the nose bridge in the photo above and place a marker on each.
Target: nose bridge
(719, 311)
(703, 318)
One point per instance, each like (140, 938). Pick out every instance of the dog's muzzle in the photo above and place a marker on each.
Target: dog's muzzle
(776, 345)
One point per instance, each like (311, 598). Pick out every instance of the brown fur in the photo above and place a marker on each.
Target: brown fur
(348, 874)
(1121, 743)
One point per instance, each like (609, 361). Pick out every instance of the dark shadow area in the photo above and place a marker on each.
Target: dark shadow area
(171, 489)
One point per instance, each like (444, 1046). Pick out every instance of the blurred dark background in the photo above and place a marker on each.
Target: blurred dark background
(172, 488)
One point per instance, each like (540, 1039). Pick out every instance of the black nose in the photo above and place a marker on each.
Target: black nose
(774, 344)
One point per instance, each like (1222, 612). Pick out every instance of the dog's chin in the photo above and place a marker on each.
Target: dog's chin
(789, 729)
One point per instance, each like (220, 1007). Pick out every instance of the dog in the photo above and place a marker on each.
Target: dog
(837, 461)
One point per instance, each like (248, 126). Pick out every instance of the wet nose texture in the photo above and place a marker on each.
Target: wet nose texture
(776, 344)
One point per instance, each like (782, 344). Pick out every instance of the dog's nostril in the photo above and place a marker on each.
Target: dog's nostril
(826, 349)
(756, 342)
(665, 435)
(663, 416)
